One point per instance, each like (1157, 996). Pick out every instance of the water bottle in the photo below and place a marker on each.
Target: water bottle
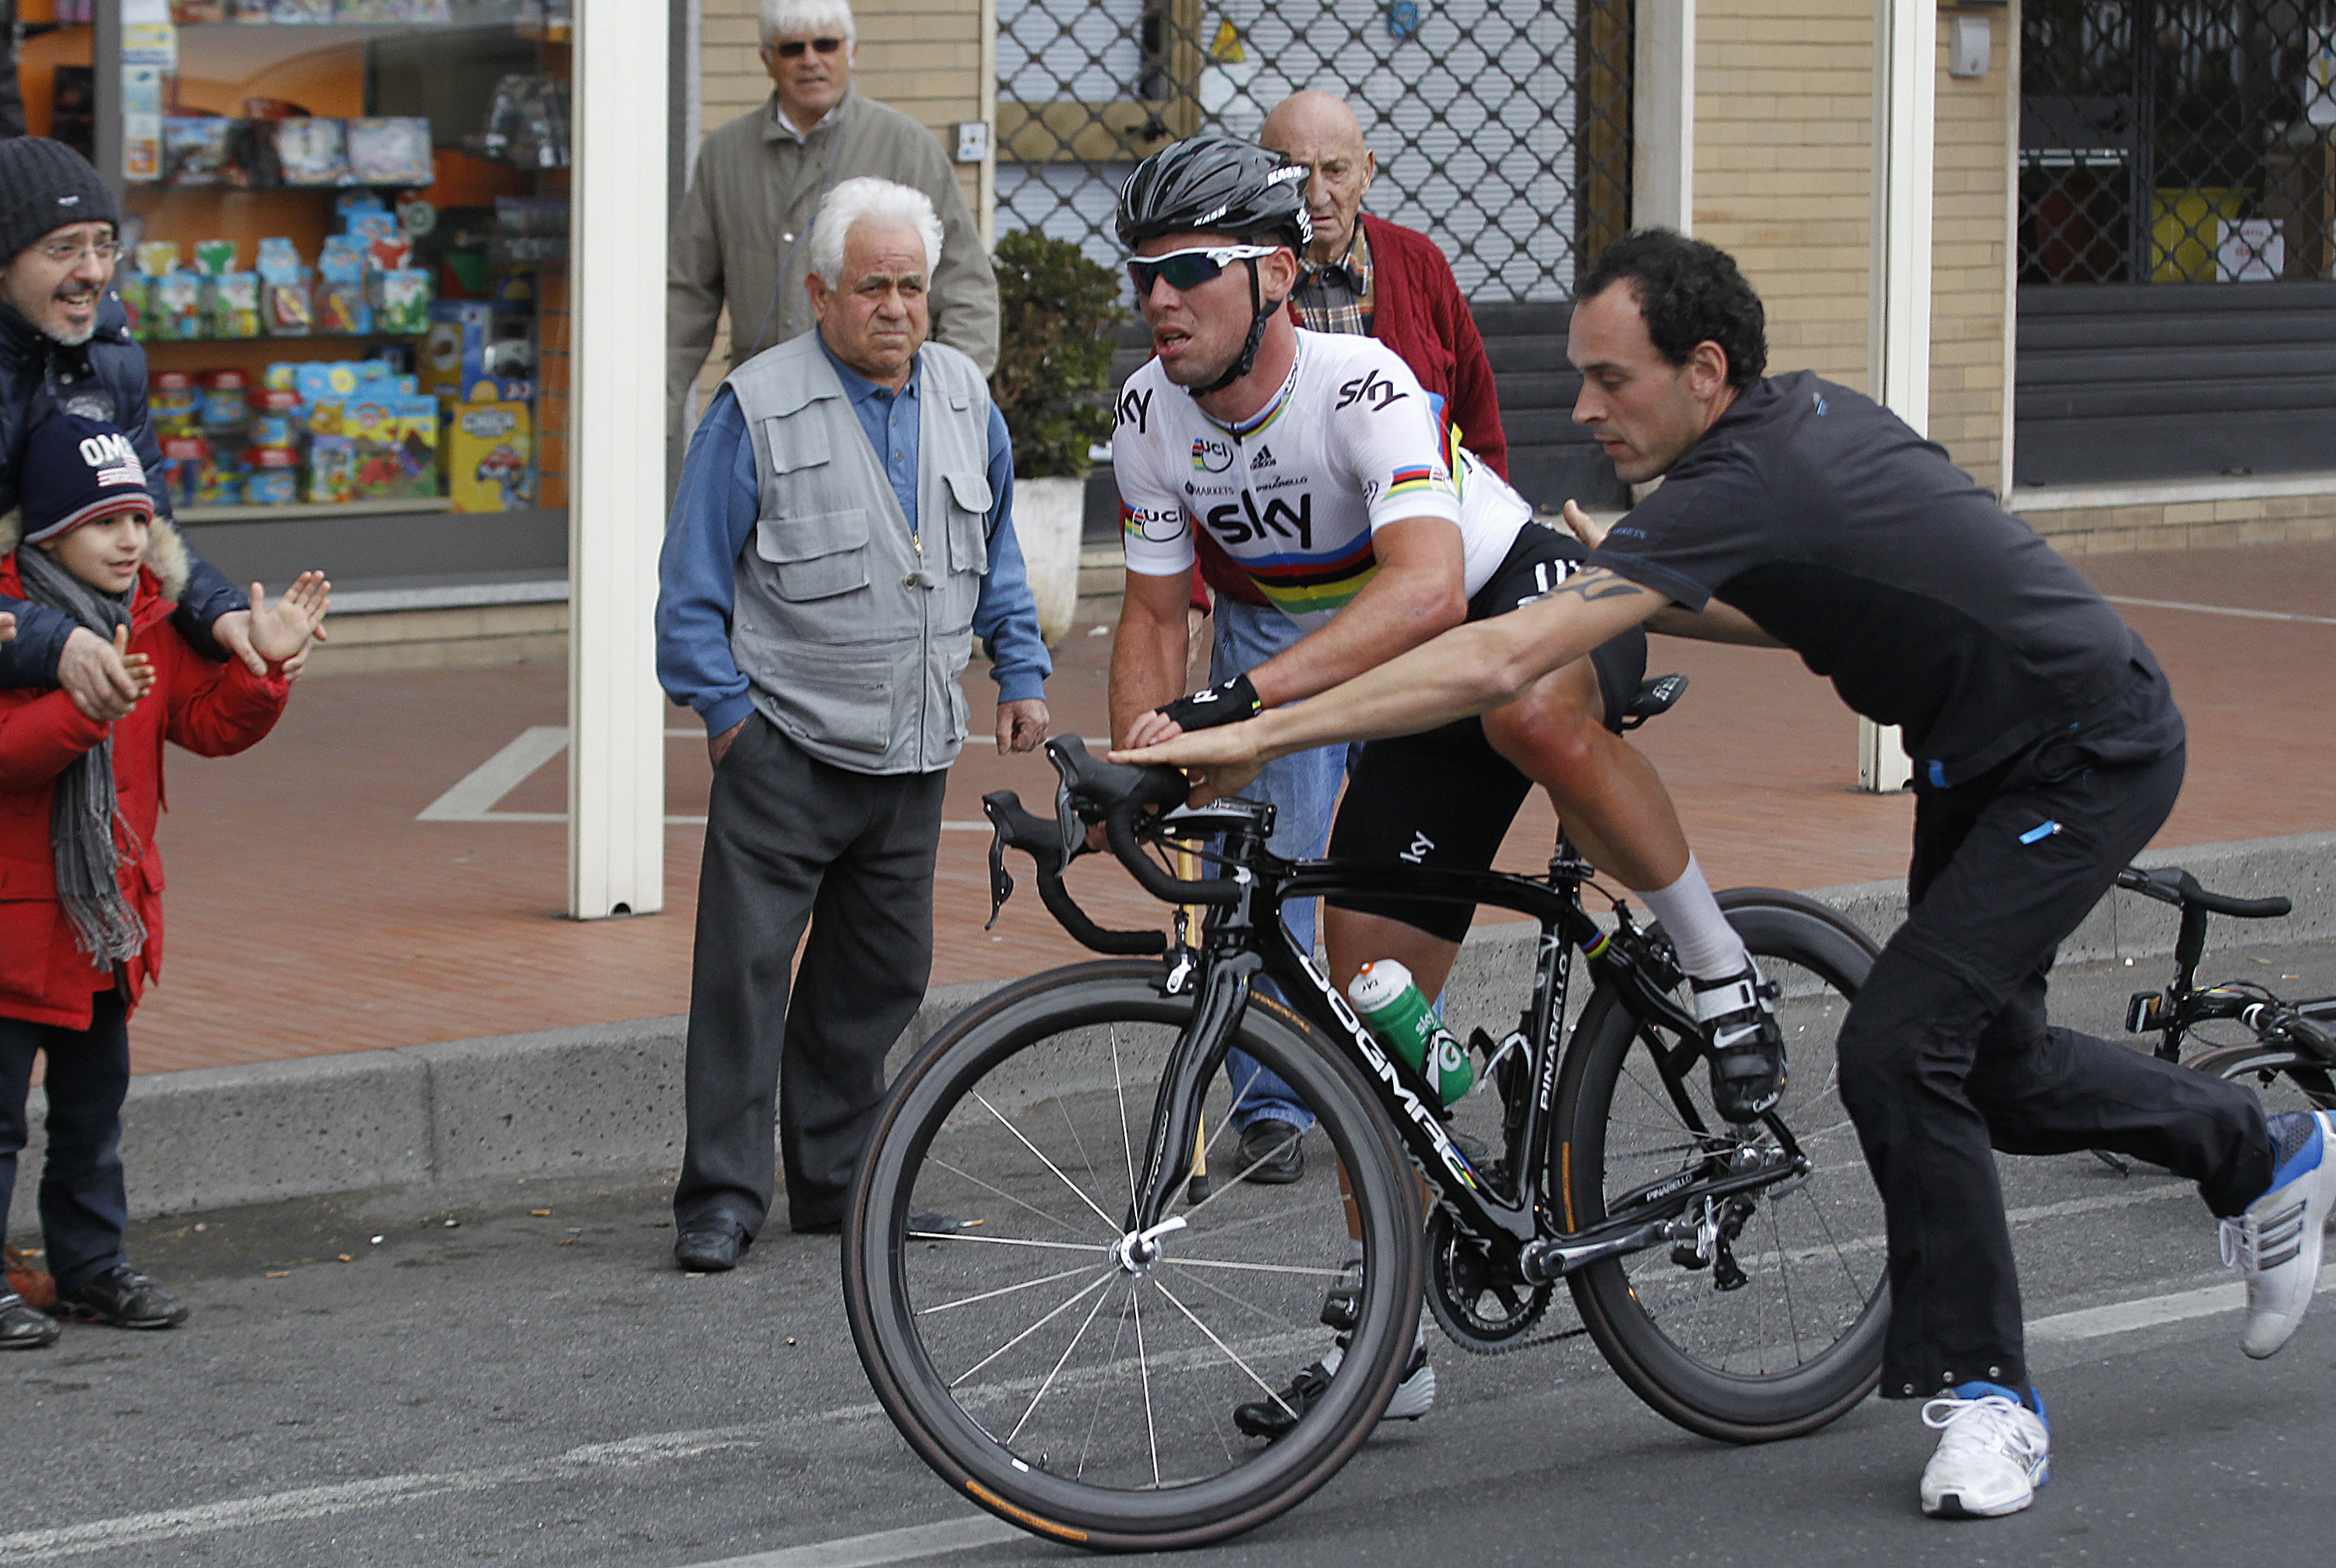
(1397, 1012)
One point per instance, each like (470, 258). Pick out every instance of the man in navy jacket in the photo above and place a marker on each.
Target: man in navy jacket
(65, 348)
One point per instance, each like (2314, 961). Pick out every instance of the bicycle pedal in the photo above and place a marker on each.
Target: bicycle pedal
(1686, 1256)
(1342, 1306)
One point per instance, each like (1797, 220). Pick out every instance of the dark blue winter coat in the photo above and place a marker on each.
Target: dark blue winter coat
(103, 378)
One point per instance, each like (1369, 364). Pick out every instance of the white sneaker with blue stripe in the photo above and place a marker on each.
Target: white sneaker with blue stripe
(2276, 1243)
(1993, 1453)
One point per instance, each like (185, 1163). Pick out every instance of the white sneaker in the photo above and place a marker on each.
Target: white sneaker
(1994, 1454)
(2276, 1243)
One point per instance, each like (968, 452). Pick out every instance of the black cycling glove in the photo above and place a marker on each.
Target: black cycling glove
(1229, 703)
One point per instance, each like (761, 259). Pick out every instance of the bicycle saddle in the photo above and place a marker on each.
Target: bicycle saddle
(1658, 694)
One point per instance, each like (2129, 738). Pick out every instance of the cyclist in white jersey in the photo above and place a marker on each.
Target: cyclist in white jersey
(1325, 472)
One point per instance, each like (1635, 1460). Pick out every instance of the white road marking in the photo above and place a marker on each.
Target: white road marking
(316, 1502)
(918, 1541)
(472, 799)
(2222, 609)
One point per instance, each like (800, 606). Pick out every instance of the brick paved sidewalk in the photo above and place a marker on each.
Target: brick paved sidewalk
(309, 912)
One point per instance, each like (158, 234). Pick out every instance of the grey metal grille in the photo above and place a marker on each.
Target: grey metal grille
(1501, 127)
(2177, 140)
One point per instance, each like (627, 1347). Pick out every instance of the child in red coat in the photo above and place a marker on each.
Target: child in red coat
(80, 885)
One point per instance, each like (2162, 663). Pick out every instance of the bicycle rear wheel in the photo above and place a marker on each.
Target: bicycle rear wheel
(2287, 1079)
(1796, 1340)
(1064, 1385)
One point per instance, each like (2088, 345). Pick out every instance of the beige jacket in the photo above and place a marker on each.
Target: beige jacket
(749, 211)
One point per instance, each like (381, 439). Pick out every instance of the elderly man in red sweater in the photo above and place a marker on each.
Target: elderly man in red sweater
(1370, 276)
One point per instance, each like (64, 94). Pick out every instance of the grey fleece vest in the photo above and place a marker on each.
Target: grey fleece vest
(852, 631)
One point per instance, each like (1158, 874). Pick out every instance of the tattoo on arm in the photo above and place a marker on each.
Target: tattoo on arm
(1592, 584)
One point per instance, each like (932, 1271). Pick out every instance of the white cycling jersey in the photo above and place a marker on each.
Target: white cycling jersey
(1348, 444)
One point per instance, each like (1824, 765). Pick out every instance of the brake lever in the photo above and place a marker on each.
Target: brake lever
(1001, 881)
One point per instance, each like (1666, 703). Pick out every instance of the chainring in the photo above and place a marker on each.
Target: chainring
(1481, 1309)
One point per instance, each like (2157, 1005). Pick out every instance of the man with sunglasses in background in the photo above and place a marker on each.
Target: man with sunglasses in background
(65, 348)
(1326, 473)
(741, 238)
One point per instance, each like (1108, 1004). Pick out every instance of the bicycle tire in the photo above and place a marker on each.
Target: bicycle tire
(1026, 1118)
(2287, 1079)
(1799, 1340)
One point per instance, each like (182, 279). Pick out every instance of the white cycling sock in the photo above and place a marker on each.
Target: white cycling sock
(1707, 946)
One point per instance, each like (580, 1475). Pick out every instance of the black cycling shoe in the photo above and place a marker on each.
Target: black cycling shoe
(1748, 1049)
(1273, 1419)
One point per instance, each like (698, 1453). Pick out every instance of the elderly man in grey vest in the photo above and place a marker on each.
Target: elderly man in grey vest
(842, 533)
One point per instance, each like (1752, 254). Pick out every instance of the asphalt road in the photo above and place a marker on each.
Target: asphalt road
(517, 1375)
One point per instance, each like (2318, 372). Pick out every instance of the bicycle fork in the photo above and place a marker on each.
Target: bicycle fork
(1198, 1053)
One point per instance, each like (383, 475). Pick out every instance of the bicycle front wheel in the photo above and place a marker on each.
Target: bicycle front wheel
(1783, 1331)
(2287, 1079)
(1074, 1384)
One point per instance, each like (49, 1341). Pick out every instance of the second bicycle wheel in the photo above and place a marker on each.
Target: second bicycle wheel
(2287, 1079)
(1790, 1335)
(1063, 1379)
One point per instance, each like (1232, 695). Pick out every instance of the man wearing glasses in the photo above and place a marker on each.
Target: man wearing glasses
(65, 348)
(1320, 465)
(741, 237)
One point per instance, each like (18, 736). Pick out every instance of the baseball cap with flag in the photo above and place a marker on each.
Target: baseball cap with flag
(78, 470)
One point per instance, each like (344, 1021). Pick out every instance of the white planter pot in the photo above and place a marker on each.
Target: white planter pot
(1046, 517)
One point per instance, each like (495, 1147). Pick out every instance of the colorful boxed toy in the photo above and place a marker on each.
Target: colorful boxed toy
(332, 468)
(391, 150)
(341, 302)
(491, 457)
(404, 303)
(290, 308)
(313, 151)
(177, 300)
(396, 437)
(231, 306)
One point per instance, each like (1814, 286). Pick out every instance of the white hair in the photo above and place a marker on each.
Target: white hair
(867, 200)
(807, 18)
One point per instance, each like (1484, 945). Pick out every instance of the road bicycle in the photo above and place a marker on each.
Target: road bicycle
(1069, 1355)
(2289, 1057)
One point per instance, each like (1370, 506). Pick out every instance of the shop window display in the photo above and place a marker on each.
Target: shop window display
(346, 243)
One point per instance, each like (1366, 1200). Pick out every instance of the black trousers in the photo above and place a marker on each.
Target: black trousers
(1945, 1055)
(84, 1204)
(791, 842)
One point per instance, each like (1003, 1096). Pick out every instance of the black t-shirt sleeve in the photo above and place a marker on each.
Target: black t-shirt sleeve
(1689, 538)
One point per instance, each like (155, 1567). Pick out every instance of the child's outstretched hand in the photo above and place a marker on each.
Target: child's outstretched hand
(280, 631)
(138, 666)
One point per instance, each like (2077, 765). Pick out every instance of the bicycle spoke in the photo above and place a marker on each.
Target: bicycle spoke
(1017, 1202)
(1001, 1291)
(1144, 1366)
(1230, 1353)
(981, 1101)
(1102, 1280)
(1055, 1370)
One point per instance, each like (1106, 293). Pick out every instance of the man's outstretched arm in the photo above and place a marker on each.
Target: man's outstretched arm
(1469, 669)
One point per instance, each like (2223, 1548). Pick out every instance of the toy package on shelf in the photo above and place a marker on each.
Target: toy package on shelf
(478, 354)
(341, 303)
(231, 306)
(312, 150)
(133, 287)
(404, 303)
(300, 10)
(393, 150)
(214, 258)
(201, 150)
(177, 300)
(491, 457)
(395, 433)
(288, 304)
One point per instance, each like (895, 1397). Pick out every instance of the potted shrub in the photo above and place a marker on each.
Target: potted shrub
(1055, 311)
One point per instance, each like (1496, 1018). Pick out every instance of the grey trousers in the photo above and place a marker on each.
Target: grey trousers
(791, 842)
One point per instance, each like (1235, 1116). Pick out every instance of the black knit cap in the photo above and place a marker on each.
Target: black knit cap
(45, 185)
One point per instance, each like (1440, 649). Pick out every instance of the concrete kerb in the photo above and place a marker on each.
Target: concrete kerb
(609, 1098)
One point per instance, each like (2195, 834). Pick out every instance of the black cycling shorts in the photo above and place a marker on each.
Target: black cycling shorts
(1445, 797)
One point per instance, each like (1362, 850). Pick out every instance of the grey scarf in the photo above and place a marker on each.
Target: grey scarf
(82, 817)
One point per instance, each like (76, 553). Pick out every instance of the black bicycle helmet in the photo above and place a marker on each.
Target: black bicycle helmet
(1214, 184)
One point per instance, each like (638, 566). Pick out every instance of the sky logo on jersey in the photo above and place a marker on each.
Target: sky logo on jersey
(1211, 455)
